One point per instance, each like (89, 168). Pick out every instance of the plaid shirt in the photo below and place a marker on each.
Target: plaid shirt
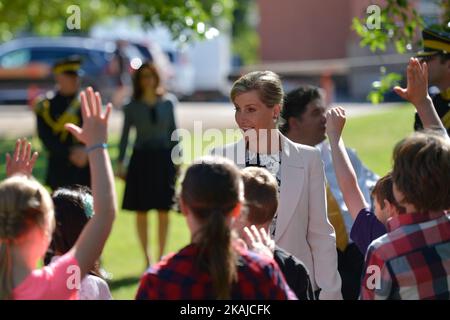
(177, 278)
(412, 261)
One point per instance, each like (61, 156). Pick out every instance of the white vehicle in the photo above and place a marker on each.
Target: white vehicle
(212, 62)
(175, 67)
(199, 68)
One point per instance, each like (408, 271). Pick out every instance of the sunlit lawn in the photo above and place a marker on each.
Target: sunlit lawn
(373, 136)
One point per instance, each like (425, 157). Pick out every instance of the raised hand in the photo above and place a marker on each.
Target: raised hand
(259, 241)
(335, 122)
(22, 161)
(94, 134)
(95, 122)
(416, 90)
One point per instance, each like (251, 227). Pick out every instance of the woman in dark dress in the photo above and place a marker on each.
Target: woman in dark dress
(151, 172)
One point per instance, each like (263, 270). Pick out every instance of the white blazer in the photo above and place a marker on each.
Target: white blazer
(302, 226)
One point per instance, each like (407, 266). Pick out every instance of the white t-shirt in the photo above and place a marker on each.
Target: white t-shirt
(92, 287)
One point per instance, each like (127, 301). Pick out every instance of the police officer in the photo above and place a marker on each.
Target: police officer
(67, 159)
(436, 53)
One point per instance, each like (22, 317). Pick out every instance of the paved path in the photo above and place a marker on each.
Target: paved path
(18, 120)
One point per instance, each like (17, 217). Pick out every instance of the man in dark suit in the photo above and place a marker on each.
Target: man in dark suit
(67, 159)
(436, 53)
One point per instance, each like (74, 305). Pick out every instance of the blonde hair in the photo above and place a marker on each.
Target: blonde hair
(266, 83)
(24, 203)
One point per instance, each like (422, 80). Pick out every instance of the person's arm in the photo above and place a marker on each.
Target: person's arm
(345, 174)
(21, 162)
(416, 92)
(321, 236)
(173, 135)
(123, 143)
(172, 120)
(94, 132)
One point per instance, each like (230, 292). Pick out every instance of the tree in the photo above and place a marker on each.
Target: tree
(244, 31)
(398, 24)
(190, 18)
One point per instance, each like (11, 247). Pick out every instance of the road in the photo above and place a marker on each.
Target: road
(18, 120)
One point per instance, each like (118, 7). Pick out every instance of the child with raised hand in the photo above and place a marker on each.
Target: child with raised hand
(73, 210)
(416, 92)
(22, 162)
(368, 225)
(27, 219)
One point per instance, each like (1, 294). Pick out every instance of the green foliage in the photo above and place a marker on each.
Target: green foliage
(48, 17)
(379, 88)
(398, 23)
(245, 36)
(246, 46)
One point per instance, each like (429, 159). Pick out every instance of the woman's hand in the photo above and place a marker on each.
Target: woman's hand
(95, 122)
(21, 161)
(121, 171)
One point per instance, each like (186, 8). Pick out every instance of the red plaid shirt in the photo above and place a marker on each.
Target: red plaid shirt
(177, 278)
(412, 261)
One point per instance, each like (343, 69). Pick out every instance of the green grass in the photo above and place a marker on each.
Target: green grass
(375, 136)
(372, 136)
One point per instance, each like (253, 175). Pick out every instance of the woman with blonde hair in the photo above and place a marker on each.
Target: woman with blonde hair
(300, 225)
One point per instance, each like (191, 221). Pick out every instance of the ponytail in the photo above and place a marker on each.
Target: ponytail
(6, 280)
(212, 189)
(216, 254)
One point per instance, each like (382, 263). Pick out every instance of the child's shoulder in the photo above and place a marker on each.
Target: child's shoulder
(94, 288)
(170, 261)
(390, 245)
(255, 262)
(50, 282)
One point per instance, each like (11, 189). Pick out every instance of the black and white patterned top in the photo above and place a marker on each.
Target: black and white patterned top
(271, 162)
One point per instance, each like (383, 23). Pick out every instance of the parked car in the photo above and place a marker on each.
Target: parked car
(25, 65)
